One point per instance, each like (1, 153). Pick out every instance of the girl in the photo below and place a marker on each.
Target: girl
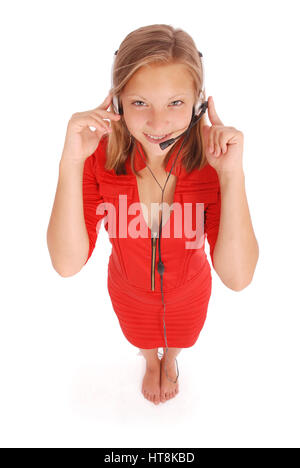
(119, 169)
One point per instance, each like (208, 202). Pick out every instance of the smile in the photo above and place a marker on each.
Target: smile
(157, 139)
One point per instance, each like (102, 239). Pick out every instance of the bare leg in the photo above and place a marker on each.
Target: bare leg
(172, 353)
(151, 381)
(169, 389)
(151, 356)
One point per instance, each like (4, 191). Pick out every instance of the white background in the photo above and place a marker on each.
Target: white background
(69, 377)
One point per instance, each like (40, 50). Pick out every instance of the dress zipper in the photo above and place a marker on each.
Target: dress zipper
(153, 259)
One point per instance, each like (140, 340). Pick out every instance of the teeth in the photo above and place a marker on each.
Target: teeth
(157, 138)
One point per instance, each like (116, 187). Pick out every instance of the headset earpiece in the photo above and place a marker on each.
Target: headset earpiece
(115, 102)
(198, 106)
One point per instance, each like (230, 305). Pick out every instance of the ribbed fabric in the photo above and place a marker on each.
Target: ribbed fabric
(187, 276)
(140, 312)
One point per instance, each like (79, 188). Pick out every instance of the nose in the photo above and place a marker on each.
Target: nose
(158, 122)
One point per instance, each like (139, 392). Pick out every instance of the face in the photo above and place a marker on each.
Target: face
(158, 100)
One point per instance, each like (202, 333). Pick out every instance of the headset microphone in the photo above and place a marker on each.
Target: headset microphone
(167, 143)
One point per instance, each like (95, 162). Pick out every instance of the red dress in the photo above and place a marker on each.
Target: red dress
(133, 280)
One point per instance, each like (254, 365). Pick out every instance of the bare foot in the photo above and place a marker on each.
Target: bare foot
(151, 382)
(168, 389)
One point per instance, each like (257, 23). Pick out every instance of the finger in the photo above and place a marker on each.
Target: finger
(211, 142)
(107, 114)
(223, 146)
(106, 102)
(94, 122)
(218, 143)
(105, 126)
(217, 149)
(212, 113)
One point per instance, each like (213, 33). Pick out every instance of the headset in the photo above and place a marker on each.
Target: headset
(199, 109)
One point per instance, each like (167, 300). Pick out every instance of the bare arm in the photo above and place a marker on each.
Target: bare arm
(236, 251)
(67, 236)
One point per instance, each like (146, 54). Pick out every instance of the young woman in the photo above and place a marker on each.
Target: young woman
(120, 170)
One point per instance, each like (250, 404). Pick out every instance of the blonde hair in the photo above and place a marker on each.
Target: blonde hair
(158, 43)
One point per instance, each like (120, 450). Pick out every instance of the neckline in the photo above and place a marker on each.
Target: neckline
(139, 163)
(141, 211)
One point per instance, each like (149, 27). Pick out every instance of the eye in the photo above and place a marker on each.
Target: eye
(143, 102)
(136, 102)
(178, 101)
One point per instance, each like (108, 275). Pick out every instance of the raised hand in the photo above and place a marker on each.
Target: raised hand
(223, 145)
(81, 141)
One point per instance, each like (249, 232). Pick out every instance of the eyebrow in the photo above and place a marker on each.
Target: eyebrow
(137, 96)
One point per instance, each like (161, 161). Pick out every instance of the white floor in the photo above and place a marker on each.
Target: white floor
(71, 379)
